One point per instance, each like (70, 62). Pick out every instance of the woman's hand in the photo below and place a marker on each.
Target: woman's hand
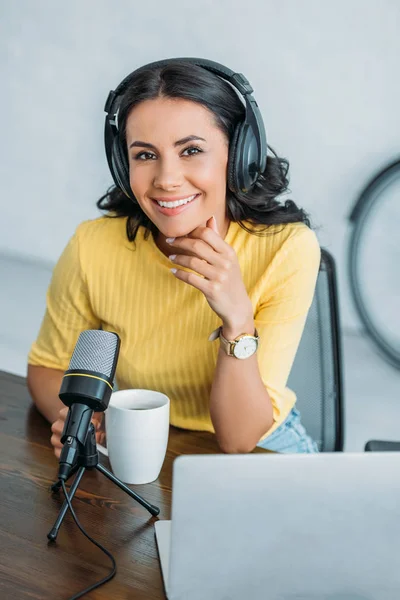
(58, 426)
(222, 282)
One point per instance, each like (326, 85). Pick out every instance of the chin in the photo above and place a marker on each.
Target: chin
(178, 229)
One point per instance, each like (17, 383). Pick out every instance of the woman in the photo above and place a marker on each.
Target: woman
(206, 277)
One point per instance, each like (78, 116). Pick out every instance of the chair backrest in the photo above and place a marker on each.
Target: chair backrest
(316, 375)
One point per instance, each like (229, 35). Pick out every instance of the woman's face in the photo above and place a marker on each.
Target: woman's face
(178, 157)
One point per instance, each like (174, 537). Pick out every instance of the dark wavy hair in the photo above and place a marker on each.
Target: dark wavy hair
(261, 205)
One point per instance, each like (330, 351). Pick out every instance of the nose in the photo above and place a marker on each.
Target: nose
(168, 175)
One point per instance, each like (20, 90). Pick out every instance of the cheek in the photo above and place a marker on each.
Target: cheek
(212, 174)
(140, 181)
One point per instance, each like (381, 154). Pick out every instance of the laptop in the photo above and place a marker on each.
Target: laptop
(283, 527)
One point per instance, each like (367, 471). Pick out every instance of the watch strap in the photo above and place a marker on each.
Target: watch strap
(227, 345)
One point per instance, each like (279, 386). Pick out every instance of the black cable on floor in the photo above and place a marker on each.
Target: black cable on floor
(114, 569)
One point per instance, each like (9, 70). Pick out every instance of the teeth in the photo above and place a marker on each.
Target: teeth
(177, 202)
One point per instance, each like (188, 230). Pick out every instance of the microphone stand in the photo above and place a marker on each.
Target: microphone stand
(88, 458)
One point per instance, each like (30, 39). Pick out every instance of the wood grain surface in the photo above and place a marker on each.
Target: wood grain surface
(33, 568)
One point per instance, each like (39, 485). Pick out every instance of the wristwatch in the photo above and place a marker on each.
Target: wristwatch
(243, 346)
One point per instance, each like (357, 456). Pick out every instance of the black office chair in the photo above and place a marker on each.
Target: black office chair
(316, 375)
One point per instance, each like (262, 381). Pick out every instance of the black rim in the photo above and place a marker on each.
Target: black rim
(368, 197)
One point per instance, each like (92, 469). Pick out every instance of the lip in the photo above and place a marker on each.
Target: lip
(171, 212)
(174, 198)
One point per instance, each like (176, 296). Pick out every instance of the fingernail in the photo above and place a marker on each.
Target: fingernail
(170, 240)
(172, 257)
(174, 270)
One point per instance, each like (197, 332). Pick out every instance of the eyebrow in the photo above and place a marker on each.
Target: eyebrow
(189, 138)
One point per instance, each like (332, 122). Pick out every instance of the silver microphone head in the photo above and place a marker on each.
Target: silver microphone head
(89, 379)
(96, 350)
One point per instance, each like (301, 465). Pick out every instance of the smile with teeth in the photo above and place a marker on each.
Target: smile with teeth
(177, 202)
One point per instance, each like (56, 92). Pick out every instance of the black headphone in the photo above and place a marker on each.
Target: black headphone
(248, 147)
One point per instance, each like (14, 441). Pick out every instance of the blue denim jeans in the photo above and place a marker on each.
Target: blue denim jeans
(290, 437)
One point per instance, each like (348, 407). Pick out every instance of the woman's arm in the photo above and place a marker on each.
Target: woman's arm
(240, 407)
(44, 385)
(245, 394)
(68, 312)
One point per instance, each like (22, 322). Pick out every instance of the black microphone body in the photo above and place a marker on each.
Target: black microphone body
(75, 432)
(86, 387)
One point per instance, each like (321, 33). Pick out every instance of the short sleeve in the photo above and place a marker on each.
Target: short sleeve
(68, 312)
(281, 314)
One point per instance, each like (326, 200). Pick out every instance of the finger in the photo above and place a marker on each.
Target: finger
(212, 224)
(198, 265)
(207, 235)
(57, 452)
(209, 288)
(57, 426)
(100, 437)
(56, 441)
(197, 247)
(63, 413)
(97, 420)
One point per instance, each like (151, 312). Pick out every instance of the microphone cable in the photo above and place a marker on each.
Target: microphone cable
(110, 556)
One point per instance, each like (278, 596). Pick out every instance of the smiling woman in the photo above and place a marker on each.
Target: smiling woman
(196, 246)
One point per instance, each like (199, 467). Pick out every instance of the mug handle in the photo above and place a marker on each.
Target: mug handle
(102, 449)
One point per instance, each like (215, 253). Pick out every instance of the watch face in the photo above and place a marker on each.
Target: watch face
(245, 347)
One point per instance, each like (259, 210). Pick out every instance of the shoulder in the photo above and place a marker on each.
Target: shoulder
(297, 259)
(277, 241)
(102, 229)
(299, 239)
(101, 236)
(96, 242)
(298, 251)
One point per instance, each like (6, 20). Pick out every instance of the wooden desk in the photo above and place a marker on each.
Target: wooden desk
(30, 566)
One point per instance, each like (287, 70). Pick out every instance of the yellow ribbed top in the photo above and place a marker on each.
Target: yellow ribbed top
(102, 280)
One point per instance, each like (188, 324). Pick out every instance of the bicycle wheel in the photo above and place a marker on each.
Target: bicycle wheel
(374, 261)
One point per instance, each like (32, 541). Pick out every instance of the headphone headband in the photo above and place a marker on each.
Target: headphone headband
(238, 80)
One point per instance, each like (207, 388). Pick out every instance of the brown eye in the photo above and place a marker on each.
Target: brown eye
(145, 156)
(192, 151)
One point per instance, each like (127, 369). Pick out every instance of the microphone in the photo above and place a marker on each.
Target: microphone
(86, 387)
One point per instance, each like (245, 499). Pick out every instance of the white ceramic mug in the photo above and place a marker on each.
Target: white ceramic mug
(137, 428)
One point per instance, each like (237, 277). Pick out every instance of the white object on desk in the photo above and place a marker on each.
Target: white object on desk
(137, 429)
(283, 527)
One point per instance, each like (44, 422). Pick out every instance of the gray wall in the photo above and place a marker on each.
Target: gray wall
(325, 76)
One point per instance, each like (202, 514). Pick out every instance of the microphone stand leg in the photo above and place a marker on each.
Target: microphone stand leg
(52, 535)
(153, 510)
(88, 458)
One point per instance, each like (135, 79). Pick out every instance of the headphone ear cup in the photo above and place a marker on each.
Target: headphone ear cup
(247, 159)
(120, 168)
(232, 173)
